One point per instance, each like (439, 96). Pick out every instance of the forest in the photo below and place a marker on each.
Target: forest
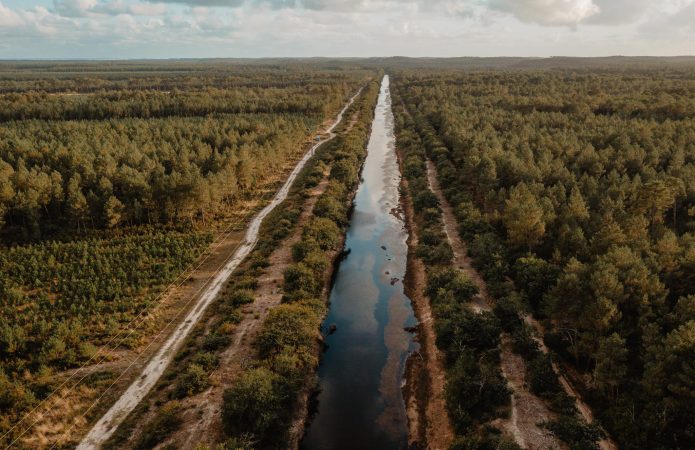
(575, 191)
(115, 179)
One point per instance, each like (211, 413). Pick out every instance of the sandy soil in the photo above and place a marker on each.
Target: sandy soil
(428, 421)
(527, 410)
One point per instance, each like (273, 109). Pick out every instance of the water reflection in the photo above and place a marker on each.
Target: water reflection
(360, 405)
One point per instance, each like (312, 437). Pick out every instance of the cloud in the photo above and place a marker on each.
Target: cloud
(228, 3)
(137, 9)
(678, 23)
(74, 8)
(9, 18)
(548, 12)
(615, 12)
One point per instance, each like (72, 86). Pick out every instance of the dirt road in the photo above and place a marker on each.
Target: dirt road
(110, 421)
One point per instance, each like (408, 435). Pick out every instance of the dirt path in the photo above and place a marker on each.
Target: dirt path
(110, 421)
(202, 413)
(428, 419)
(527, 410)
(482, 301)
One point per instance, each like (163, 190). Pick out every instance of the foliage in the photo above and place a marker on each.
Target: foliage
(576, 188)
(157, 430)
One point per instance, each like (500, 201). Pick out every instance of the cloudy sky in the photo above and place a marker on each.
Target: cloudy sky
(255, 28)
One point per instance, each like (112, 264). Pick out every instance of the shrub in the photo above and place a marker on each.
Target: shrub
(330, 208)
(425, 199)
(256, 404)
(193, 380)
(300, 280)
(208, 361)
(287, 326)
(215, 341)
(324, 232)
(242, 297)
(158, 429)
(473, 391)
(577, 434)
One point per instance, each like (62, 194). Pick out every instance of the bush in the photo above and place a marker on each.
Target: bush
(193, 380)
(287, 326)
(215, 341)
(324, 232)
(577, 434)
(330, 208)
(542, 377)
(208, 361)
(242, 297)
(425, 199)
(344, 171)
(462, 328)
(474, 392)
(525, 344)
(256, 404)
(158, 429)
(300, 280)
(507, 310)
(302, 248)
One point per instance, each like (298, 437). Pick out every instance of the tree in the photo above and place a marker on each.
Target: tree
(77, 205)
(255, 405)
(113, 212)
(611, 364)
(523, 218)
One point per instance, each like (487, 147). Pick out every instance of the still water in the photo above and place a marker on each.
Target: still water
(360, 405)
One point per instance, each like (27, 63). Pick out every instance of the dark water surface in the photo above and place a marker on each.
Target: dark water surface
(360, 405)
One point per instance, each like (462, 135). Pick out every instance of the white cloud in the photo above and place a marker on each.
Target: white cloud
(74, 8)
(9, 18)
(116, 7)
(246, 28)
(548, 12)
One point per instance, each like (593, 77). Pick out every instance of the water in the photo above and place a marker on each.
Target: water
(360, 404)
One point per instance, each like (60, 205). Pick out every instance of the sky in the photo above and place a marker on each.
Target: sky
(116, 29)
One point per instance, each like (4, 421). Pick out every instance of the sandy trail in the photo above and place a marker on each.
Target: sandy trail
(110, 421)
(527, 410)
(202, 413)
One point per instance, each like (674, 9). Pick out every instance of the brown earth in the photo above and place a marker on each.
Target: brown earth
(428, 421)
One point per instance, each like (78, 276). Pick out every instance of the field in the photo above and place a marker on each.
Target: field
(115, 179)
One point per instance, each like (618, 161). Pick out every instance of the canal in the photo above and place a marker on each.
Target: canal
(360, 404)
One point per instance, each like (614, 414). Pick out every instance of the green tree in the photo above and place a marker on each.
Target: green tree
(523, 217)
(611, 365)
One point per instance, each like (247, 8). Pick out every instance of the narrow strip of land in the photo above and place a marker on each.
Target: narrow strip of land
(110, 421)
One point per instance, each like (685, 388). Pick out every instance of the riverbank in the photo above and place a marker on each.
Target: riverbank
(428, 421)
(360, 403)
